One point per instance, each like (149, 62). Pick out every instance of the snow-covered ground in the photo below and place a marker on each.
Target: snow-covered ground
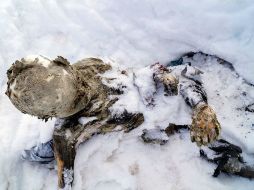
(132, 34)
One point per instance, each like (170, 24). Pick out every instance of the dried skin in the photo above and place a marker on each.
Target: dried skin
(205, 127)
(60, 169)
(163, 76)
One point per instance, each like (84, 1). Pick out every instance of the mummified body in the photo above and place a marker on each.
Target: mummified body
(45, 88)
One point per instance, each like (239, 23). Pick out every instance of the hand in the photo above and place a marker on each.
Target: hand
(205, 127)
(162, 75)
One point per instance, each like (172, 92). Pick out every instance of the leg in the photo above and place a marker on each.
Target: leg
(64, 149)
(65, 153)
(70, 134)
(66, 139)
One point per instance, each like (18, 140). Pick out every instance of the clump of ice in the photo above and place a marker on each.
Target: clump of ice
(68, 178)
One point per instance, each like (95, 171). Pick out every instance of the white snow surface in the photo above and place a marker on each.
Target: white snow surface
(131, 35)
(40, 60)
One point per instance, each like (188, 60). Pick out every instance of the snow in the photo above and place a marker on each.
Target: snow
(68, 178)
(146, 89)
(84, 120)
(131, 35)
(42, 60)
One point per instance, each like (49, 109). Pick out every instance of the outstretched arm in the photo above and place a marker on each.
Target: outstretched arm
(149, 79)
(205, 127)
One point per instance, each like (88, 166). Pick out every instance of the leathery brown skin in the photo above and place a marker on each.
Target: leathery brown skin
(65, 152)
(164, 76)
(205, 127)
(60, 169)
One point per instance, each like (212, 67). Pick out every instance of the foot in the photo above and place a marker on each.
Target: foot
(43, 153)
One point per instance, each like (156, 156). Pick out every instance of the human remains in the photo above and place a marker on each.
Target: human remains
(54, 88)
